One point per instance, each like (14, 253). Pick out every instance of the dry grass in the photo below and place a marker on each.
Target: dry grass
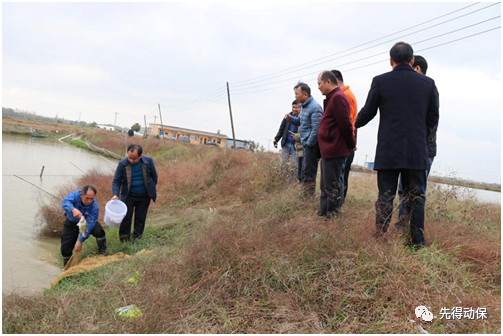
(250, 256)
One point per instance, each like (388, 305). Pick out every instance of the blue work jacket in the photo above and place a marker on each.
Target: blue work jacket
(90, 212)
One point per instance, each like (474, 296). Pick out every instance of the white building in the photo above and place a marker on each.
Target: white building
(108, 128)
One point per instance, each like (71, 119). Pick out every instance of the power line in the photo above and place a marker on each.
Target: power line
(369, 64)
(215, 93)
(358, 51)
(461, 38)
(199, 101)
(244, 82)
(374, 55)
(220, 92)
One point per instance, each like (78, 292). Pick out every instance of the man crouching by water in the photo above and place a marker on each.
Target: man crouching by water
(78, 204)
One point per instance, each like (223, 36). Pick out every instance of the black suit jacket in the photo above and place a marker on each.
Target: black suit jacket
(408, 111)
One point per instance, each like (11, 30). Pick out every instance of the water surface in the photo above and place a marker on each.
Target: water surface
(29, 261)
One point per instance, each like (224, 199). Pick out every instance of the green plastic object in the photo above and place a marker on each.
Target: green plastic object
(133, 280)
(130, 313)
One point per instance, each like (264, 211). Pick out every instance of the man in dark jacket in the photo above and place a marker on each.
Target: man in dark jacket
(285, 133)
(408, 105)
(336, 140)
(135, 181)
(421, 66)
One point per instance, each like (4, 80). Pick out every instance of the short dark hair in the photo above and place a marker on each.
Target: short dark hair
(338, 75)
(135, 147)
(328, 75)
(86, 188)
(401, 52)
(421, 62)
(295, 102)
(304, 88)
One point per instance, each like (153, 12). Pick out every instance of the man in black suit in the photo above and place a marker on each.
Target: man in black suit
(408, 105)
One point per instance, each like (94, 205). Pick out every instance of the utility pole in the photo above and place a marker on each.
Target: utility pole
(160, 118)
(145, 120)
(115, 121)
(230, 112)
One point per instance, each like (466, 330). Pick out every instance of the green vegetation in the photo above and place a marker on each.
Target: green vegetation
(77, 143)
(235, 250)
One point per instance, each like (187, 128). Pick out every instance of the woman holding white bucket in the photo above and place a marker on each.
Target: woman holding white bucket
(135, 182)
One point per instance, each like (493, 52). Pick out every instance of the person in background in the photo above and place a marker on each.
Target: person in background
(135, 180)
(408, 115)
(336, 140)
(309, 122)
(353, 109)
(78, 204)
(130, 132)
(285, 131)
(421, 66)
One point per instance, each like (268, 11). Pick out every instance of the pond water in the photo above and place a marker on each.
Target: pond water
(463, 193)
(478, 195)
(29, 261)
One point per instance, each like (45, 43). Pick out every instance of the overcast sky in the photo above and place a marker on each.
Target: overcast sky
(93, 60)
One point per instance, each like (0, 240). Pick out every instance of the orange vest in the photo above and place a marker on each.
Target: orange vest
(352, 104)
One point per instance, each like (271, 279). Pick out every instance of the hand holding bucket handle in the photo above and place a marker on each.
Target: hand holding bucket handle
(115, 210)
(115, 197)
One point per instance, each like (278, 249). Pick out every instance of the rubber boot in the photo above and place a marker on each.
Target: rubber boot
(65, 260)
(102, 245)
(124, 238)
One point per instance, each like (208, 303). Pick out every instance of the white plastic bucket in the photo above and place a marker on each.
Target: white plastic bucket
(115, 211)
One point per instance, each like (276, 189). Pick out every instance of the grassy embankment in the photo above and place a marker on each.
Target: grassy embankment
(237, 251)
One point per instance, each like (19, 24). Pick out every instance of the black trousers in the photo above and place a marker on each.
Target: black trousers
(70, 235)
(300, 176)
(139, 204)
(310, 168)
(413, 181)
(331, 185)
(347, 168)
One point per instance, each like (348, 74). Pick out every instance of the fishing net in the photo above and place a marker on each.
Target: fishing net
(74, 259)
(89, 263)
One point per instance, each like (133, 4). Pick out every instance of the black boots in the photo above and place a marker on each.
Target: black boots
(102, 245)
(124, 238)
